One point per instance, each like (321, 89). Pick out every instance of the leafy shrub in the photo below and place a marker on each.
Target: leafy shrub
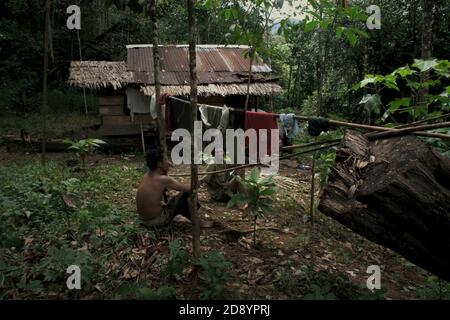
(141, 292)
(215, 267)
(258, 195)
(178, 260)
(55, 264)
(435, 289)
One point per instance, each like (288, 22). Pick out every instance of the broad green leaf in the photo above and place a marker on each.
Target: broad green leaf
(371, 79)
(431, 83)
(311, 25)
(404, 71)
(254, 174)
(425, 65)
(339, 31)
(227, 14)
(372, 102)
(397, 103)
(268, 192)
(98, 141)
(352, 38)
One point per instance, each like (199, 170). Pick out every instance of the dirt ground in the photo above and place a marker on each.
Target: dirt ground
(291, 252)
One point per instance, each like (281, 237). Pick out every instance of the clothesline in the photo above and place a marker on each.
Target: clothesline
(361, 126)
(323, 145)
(328, 144)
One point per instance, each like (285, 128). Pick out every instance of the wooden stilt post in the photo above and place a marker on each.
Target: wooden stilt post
(142, 140)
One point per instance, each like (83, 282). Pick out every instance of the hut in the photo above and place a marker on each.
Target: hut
(125, 88)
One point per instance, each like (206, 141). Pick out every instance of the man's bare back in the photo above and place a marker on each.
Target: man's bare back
(151, 190)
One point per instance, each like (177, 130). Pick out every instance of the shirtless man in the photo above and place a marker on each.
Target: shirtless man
(150, 198)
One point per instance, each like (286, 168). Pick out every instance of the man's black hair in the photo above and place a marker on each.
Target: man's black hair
(153, 157)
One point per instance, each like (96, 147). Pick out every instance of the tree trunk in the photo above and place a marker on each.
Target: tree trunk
(296, 92)
(194, 169)
(395, 192)
(157, 67)
(426, 50)
(251, 56)
(289, 86)
(319, 70)
(44, 107)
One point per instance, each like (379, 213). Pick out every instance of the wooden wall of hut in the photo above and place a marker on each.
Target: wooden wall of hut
(111, 102)
(212, 100)
(115, 116)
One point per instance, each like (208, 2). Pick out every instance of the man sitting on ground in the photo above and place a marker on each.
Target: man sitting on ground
(152, 205)
(221, 185)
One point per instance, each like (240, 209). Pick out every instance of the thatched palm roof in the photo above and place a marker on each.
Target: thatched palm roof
(257, 89)
(99, 74)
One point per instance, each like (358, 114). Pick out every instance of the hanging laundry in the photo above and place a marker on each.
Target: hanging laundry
(137, 102)
(180, 114)
(153, 111)
(237, 119)
(225, 119)
(262, 120)
(164, 102)
(318, 125)
(289, 125)
(215, 117)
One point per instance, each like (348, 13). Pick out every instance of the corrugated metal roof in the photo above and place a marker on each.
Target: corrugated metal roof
(215, 64)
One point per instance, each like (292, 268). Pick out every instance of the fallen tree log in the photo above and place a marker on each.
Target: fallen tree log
(395, 192)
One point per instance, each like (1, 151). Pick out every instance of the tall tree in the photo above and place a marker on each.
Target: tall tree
(44, 106)
(157, 67)
(427, 46)
(194, 169)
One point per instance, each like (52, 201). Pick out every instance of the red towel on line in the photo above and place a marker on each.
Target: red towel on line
(261, 120)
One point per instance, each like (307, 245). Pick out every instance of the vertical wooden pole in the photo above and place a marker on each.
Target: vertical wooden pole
(193, 97)
(313, 187)
(44, 106)
(156, 67)
(426, 48)
(143, 140)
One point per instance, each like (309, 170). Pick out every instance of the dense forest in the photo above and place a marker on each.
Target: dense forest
(336, 61)
(295, 55)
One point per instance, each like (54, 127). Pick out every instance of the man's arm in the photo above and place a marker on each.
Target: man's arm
(174, 185)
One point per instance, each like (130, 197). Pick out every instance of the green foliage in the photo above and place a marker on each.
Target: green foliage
(409, 77)
(259, 193)
(178, 260)
(435, 289)
(320, 293)
(442, 146)
(216, 267)
(324, 163)
(84, 147)
(328, 286)
(325, 13)
(284, 281)
(40, 236)
(142, 292)
(54, 265)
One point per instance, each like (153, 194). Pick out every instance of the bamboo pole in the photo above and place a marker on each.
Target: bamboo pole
(322, 147)
(328, 144)
(408, 130)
